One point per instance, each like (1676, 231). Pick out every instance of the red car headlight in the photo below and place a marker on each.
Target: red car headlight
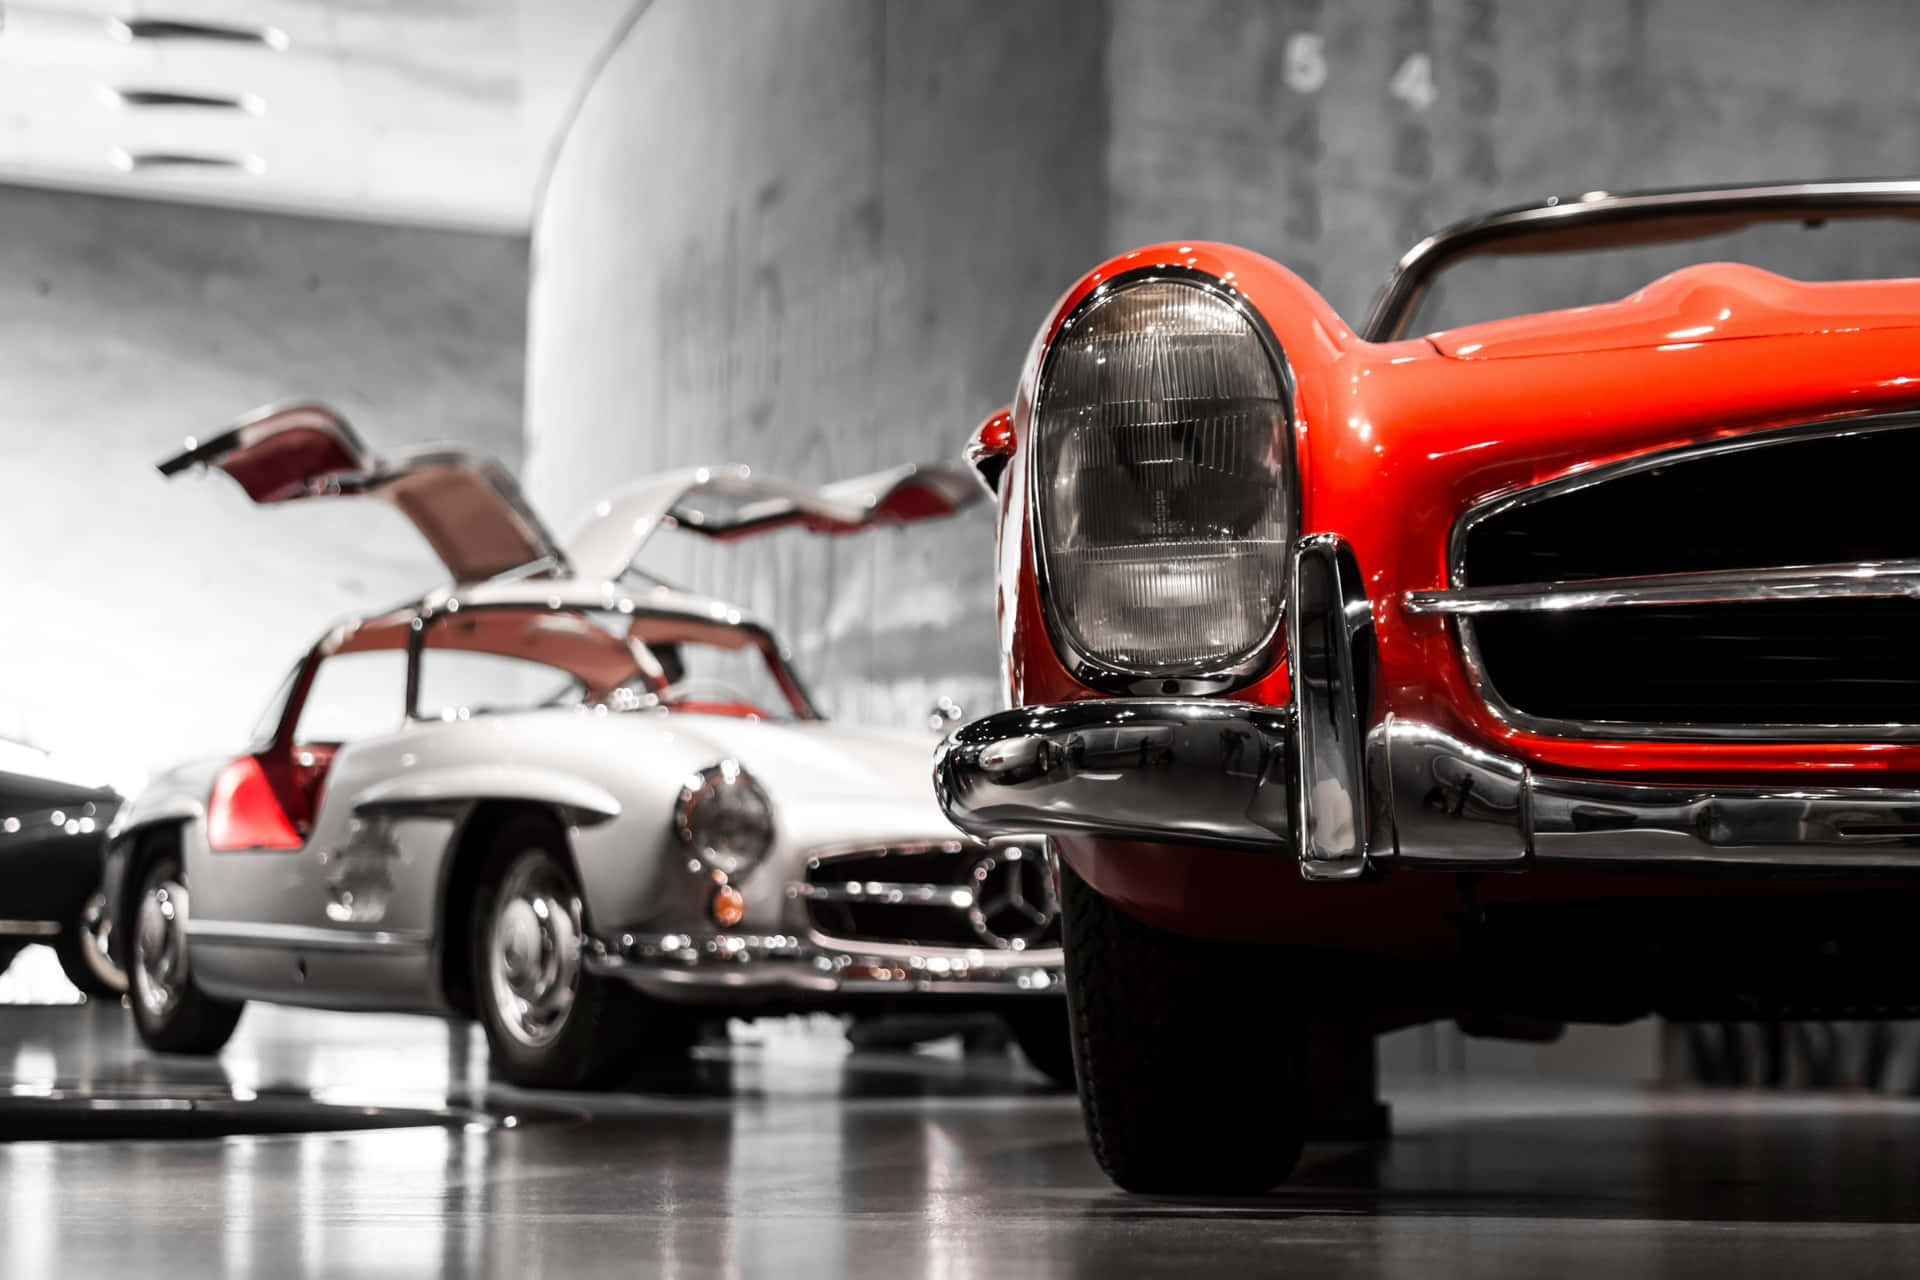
(1161, 486)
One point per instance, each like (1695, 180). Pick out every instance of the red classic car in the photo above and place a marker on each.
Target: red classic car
(1552, 668)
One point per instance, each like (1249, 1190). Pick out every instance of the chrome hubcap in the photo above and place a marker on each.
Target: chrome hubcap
(96, 937)
(533, 951)
(160, 947)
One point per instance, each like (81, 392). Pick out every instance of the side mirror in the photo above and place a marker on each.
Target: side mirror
(944, 714)
(991, 447)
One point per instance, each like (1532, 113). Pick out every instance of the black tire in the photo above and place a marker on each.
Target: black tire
(191, 1021)
(604, 1026)
(1191, 1079)
(1045, 1036)
(84, 961)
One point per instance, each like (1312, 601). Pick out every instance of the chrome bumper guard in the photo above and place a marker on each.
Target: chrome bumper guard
(1312, 782)
(681, 965)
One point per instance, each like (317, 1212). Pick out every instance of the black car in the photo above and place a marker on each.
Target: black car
(53, 838)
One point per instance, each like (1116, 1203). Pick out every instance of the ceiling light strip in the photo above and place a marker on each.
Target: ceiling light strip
(131, 29)
(128, 96)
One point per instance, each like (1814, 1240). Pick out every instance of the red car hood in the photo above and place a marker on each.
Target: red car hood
(1714, 302)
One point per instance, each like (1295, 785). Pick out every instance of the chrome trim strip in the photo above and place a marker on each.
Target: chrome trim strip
(29, 928)
(300, 937)
(1620, 731)
(1872, 579)
(1400, 298)
(1091, 671)
(823, 857)
(1178, 770)
(682, 964)
(885, 893)
(983, 956)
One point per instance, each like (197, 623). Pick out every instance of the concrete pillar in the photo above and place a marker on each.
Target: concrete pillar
(815, 238)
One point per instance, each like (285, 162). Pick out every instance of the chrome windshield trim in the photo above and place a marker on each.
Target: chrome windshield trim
(1416, 271)
(1881, 579)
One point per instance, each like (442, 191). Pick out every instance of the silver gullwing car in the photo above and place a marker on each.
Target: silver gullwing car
(564, 798)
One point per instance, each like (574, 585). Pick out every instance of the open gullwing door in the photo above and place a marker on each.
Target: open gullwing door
(468, 508)
(729, 502)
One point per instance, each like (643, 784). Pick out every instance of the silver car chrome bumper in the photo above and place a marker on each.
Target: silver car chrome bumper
(679, 965)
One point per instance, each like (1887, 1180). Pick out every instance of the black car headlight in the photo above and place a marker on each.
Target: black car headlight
(724, 818)
(1161, 486)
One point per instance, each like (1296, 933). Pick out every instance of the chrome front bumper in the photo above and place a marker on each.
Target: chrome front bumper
(1316, 783)
(686, 967)
(1166, 771)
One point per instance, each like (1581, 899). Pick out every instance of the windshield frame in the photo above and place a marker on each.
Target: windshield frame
(1599, 220)
(800, 702)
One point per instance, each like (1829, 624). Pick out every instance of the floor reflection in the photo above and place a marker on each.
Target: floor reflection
(794, 1157)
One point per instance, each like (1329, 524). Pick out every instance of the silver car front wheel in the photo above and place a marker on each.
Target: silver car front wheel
(533, 950)
(551, 1023)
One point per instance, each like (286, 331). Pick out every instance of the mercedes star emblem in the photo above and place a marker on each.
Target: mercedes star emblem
(1013, 898)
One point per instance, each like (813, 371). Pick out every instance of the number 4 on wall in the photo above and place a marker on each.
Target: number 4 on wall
(1413, 82)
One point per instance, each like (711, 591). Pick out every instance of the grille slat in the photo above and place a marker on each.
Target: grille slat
(1793, 500)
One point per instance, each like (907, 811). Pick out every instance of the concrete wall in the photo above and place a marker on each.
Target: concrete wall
(817, 235)
(814, 238)
(1332, 136)
(145, 619)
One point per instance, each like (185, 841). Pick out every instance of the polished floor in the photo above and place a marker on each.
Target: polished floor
(791, 1157)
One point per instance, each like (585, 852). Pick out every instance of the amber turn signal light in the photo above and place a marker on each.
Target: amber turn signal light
(727, 907)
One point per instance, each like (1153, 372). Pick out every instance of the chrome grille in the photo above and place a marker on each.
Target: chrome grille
(946, 894)
(1655, 599)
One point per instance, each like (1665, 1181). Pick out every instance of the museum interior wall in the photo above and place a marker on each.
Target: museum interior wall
(149, 620)
(843, 268)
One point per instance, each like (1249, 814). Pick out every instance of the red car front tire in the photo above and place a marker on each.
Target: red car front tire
(1191, 1055)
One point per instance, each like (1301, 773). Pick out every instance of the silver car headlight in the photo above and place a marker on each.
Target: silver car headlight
(724, 818)
(1162, 490)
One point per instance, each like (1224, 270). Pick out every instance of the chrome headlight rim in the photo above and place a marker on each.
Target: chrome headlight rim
(1092, 671)
(707, 782)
